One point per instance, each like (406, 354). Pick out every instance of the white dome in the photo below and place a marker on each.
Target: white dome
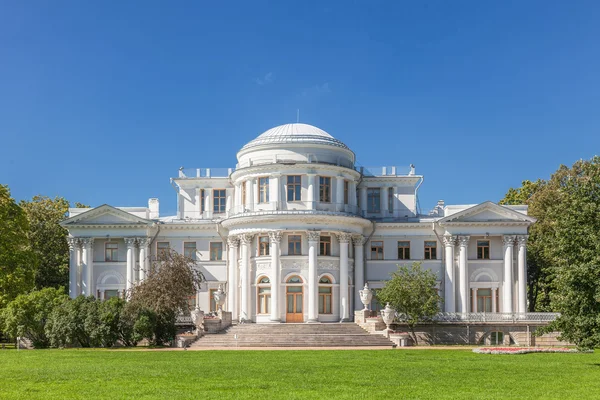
(295, 133)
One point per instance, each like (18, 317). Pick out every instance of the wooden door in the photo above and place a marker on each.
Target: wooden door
(294, 297)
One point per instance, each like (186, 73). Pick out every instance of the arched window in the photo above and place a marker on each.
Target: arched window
(294, 279)
(263, 304)
(325, 295)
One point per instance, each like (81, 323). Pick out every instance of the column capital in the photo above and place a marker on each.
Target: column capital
(463, 240)
(73, 243)
(359, 240)
(449, 240)
(233, 241)
(522, 240)
(246, 238)
(86, 241)
(344, 237)
(143, 241)
(130, 242)
(314, 236)
(508, 240)
(275, 236)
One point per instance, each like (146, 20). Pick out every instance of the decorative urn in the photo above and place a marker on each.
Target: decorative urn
(388, 314)
(197, 317)
(366, 295)
(220, 297)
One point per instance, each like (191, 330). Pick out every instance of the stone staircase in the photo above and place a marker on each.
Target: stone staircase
(293, 335)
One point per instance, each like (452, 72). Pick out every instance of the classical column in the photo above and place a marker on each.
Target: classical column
(463, 265)
(250, 194)
(449, 284)
(311, 192)
(246, 240)
(494, 304)
(352, 194)
(344, 239)
(130, 243)
(144, 261)
(384, 201)
(87, 266)
(274, 241)
(274, 197)
(339, 193)
(396, 202)
(363, 200)
(359, 268)
(198, 206)
(232, 263)
(73, 249)
(313, 244)
(208, 209)
(509, 242)
(522, 272)
(135, 261)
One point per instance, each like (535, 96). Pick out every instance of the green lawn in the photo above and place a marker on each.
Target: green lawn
(381, 374)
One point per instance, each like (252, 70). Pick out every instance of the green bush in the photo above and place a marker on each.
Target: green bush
(27, 315)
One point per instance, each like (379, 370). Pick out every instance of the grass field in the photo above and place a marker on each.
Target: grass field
(358, 374)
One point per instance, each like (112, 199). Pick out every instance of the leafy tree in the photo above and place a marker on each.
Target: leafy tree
(48, 239)
(412, 292)
(27, 315)
(165, 291)
(76, 322)
(17, 261)
(109, 312)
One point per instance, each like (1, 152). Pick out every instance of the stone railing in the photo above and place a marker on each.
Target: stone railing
(494, 317)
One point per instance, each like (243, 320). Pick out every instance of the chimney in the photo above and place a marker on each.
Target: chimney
(153, 207)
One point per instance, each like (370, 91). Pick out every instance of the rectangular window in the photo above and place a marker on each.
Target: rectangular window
(346, 191)
(219, 200)
(324, 299)
(189, 250)
(216, 251)
(325, 245)
(373, 200)
(264, 300)
(263, 245)
(294, 245)
(202, 201)
(162, 249)
(483, 249)
(263, 189)
(404, 250)
(430, 250)
(111, 251)
(243, 193)
(213, 303)
(191, 302)
(391, 199)
(109, 294)
(324, 189)
(484, 300)
(294, 188)
(377, 250)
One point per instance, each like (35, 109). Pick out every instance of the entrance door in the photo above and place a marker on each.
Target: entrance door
(294, 304)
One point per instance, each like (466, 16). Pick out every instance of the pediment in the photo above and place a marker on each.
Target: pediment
(487, 212)
(105, 215)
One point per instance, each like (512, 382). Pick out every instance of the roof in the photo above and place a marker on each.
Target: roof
(295, 133)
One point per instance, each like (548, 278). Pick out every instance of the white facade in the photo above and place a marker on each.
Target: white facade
(296, 229)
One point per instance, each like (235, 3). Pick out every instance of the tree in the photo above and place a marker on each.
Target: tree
(27, 315)
(48, 239)
(165, 292)
(17, 261)
(412, 292)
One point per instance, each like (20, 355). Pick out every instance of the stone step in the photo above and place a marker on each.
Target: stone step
(293, 335)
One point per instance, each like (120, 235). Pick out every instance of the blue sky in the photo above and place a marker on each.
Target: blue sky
(102, 102)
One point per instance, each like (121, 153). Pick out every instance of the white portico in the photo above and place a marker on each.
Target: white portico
(296, 229)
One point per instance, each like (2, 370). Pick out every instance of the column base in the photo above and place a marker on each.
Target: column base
(275, 321)
(312, 321)
(345, 320)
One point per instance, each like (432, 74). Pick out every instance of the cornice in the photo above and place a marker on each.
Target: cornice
(277, 168)
(486, 223)
(108, 226)
(309, 218)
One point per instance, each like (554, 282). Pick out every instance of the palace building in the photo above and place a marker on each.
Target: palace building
(296, 229)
